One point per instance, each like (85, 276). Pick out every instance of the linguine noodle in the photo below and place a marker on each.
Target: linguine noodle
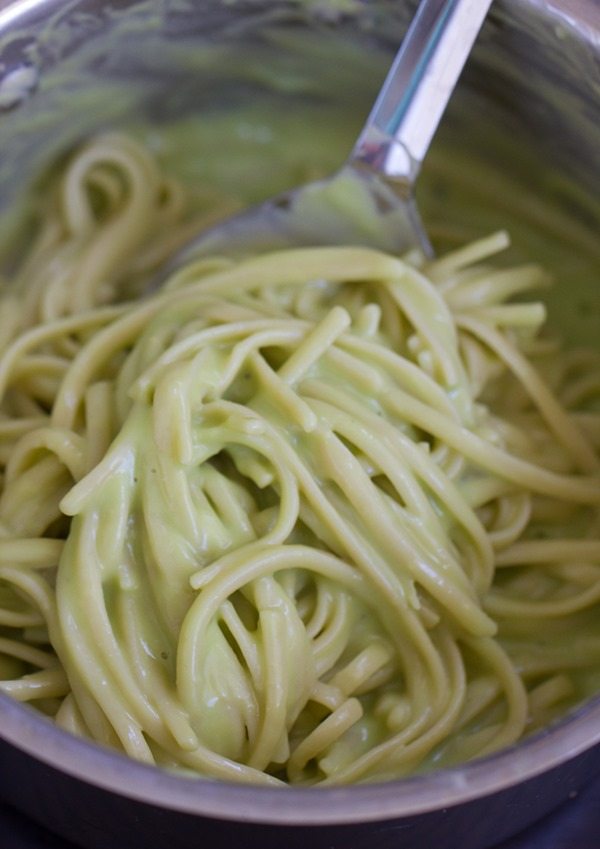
(322, 515)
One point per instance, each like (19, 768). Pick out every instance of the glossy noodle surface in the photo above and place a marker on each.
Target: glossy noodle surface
(324, 515)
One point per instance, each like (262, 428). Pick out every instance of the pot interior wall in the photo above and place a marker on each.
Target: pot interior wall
(254, 96)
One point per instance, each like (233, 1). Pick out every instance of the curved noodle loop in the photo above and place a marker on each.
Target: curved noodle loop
(317, 516)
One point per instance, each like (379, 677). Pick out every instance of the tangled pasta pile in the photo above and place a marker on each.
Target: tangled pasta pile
(323, 515)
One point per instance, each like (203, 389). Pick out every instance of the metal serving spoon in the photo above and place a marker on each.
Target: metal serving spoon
(369, 201)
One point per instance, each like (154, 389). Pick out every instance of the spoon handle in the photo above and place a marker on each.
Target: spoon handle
(415, 93)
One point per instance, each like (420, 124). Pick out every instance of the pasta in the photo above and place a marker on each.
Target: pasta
(322, 515)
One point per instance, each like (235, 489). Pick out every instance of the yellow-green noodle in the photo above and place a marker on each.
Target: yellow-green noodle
(322, 515)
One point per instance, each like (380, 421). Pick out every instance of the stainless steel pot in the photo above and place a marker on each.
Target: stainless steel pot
(529, 97)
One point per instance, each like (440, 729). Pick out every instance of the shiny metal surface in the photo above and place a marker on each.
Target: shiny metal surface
(417, 89)
(385, 161)
(361, 803)
(534, 80)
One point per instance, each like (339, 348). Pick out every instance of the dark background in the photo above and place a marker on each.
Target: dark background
(575, 825)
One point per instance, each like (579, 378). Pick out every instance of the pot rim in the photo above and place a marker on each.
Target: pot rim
(110, 770)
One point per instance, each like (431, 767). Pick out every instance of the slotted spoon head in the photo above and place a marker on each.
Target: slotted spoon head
(370, 200)
(352, 207)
